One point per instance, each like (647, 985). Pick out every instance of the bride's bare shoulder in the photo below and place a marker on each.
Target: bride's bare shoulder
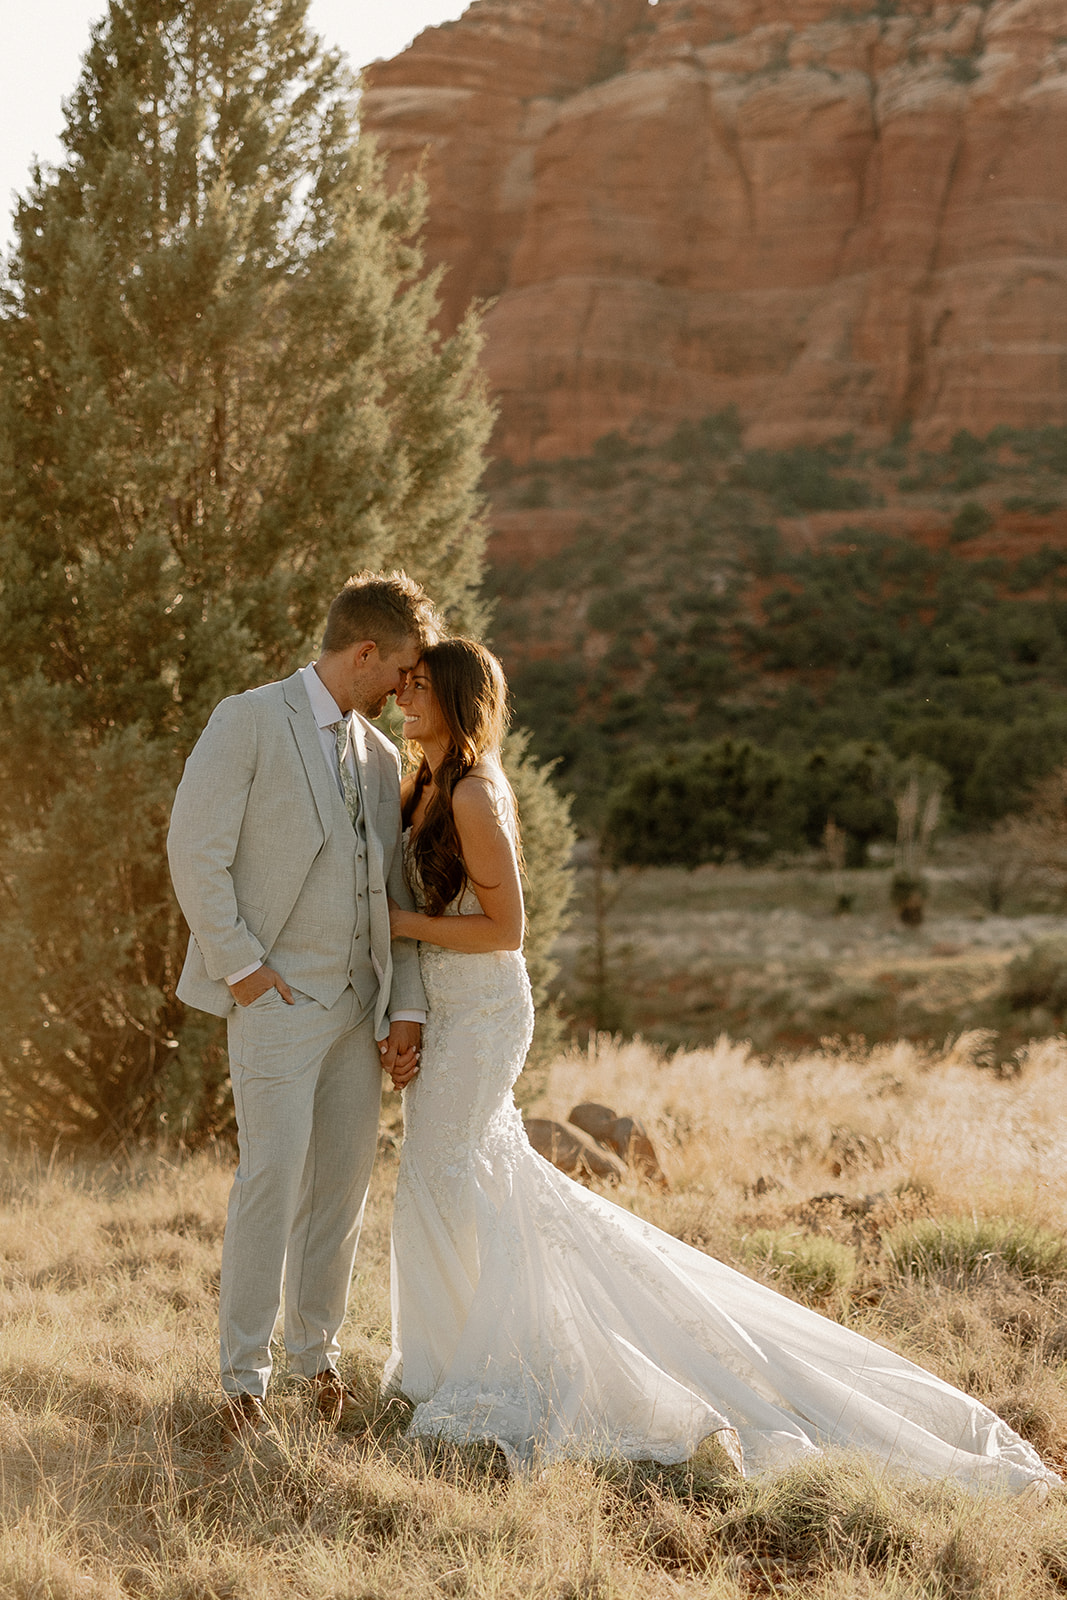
(485, 792)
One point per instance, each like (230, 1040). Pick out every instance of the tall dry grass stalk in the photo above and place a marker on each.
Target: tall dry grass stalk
(725, 1119)
(915, 1196)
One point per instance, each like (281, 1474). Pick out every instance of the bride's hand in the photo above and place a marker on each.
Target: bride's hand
(401, 923)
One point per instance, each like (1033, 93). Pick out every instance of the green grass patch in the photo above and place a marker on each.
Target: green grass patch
(960, 1249)
(814, 1267)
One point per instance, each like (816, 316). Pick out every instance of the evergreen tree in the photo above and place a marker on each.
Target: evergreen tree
(548, 840)
(221, 392)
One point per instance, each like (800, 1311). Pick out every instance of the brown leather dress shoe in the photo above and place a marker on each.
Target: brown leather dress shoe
(332, 1402)
(244, 1417)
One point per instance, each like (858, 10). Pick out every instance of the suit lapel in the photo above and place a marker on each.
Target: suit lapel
(369, 776)
(306, 734)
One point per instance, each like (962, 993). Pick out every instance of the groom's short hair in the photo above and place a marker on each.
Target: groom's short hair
(388, 608)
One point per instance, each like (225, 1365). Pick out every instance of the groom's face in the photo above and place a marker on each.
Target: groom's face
(382, 673)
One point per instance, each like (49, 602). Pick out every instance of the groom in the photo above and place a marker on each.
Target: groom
(284, 848)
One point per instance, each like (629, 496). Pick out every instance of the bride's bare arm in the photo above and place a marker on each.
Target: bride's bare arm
(489, 856)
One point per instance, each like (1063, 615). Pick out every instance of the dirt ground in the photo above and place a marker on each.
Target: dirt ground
(681, 957)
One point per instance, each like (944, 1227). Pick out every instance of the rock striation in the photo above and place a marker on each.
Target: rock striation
(839, 218)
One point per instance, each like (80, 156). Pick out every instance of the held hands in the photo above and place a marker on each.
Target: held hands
(400, 1052)
(258, 983)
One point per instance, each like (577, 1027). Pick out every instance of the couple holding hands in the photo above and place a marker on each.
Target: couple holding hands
(351, 924)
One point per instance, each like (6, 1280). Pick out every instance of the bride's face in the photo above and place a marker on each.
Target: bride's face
(423, 721)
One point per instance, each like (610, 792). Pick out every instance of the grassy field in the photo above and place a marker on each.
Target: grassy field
(914, 1195)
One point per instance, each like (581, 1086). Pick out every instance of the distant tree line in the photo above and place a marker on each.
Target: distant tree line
(737, 801)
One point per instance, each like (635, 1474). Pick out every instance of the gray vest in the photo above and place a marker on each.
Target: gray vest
(325, 945)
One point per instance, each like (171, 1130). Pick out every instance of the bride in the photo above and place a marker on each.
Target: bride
(533, 1313)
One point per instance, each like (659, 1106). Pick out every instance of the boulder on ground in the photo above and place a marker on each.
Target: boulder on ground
(625, 1136)
(572, 1151)
(597, 1121)
(632, 1143)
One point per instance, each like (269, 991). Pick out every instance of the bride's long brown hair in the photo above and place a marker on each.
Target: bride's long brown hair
(471, 691)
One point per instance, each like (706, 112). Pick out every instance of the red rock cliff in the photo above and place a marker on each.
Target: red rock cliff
(836, 221)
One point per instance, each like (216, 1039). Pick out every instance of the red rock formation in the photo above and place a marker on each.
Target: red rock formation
(837, 222)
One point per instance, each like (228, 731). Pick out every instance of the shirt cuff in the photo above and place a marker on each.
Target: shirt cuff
(408, 1016)
(245, 972)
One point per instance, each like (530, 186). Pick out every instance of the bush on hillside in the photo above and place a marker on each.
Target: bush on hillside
(801, 479)
(726, 801)
(735, 800)
(1038, 978)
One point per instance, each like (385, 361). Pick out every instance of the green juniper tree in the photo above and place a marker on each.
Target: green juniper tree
(221, 392)
(548, 839)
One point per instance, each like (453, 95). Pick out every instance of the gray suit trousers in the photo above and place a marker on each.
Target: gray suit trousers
(307, 1083)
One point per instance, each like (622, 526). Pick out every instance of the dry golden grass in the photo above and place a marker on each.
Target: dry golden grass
(917, 1197)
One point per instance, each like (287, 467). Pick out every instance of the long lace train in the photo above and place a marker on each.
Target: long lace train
(531, 1312)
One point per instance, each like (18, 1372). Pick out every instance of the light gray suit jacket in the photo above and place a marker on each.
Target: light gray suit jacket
(253, 810)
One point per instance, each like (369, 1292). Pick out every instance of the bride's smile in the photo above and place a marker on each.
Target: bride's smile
(423, 722)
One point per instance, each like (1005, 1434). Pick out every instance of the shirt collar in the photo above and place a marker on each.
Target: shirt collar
(324, 707)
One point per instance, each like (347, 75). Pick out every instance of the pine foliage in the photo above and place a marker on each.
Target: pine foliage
(221, 392)
(548, 841)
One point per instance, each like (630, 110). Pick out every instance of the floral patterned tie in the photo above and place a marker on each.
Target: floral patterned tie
(348, 783)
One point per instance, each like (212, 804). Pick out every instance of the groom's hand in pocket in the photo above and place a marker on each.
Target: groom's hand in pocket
(258, 983)
(400, 1052)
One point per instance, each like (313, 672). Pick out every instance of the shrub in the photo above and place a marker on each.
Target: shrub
(970, 521)
(853, 785)
(708, 440)
(801, 480)
(1039, 977)
(534, 495)
(962, 1248)
(1044, 447)
(963, 68)
(729, 800)
(815, 1267)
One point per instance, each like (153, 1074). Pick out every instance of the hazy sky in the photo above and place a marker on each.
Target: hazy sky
(44, 41)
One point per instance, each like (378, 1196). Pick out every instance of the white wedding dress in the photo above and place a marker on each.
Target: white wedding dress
(531, 1312)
